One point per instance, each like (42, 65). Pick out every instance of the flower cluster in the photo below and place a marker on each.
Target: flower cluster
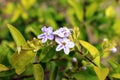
(60, 36)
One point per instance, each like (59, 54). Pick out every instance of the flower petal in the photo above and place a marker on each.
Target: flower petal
(70, 44)
(59, 33)
(44, 39)
(44, 29)
(41, 36)
(50, 37)
(58, 40)
(49, 29)
(66, 50)
(59, 47)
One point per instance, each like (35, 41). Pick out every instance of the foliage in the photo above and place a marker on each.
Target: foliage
(93, 28)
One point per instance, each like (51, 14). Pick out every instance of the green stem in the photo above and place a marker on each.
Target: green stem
(87, 58)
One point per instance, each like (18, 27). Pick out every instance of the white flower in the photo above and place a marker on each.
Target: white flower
(114, 49)
(105, 39)
(64, 44)
(62, 32)
(48, 34)
(84, 67)
(74, 59)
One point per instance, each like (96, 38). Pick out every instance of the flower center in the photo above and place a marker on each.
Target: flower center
(63, 43)
(47, 33)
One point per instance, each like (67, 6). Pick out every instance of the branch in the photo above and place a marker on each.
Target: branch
(87, 58)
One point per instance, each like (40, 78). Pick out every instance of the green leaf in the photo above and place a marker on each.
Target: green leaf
(5, 52)
(17, 36)
(20, 61)
(7, 73)
(9, 8)
(19, 70)
(43, 53)
(53, 71)
(101, 72)
(97, 61)
(49, 19)
(3, 68)
(77, 8)
(113, 64)
(92, 50)
(33, 28)
(49, 55)
(27, 4)
(115, 69)
(116, 75)
(110, 11)
(116, 26)
(91, 9)
(16, 13)
(38, 72)
(72, 20)
(87, 74)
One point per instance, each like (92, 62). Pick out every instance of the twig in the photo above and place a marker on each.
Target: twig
(87, 58)
(22, 77)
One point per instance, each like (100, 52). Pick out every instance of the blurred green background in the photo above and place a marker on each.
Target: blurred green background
(96, 19)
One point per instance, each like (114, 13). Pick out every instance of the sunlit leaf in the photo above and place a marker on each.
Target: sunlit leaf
(3, 67)
(24, 15)
(27, 4)
(116, 26)
(38, 72)
(19, 70)
(101, 72)
(93, 51)
(77, 8)
(17, 36)
(116, 75)
(19, 61)
(97, 61)
(110, 12)
(16, 13)
(91, 9)
(9, 8)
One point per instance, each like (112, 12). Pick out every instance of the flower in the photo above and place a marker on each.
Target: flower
(62, 32)
(48, 34)
(105, 39)
(114, 49)
(64, 44)
(84, 67)
(74, 59)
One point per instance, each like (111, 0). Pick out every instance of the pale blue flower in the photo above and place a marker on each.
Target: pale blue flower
(62, 32)
(74, 59)
(48, 34)
(114, 49)
(64, 44)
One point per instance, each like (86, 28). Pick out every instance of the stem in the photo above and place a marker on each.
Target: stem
(22, 77)
(87, 58)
